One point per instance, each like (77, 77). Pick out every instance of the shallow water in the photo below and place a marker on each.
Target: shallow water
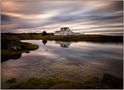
(75, 60)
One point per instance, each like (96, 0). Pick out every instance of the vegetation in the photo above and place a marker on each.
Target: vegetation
(13, 48)
(28, 46)
(9, 54)
(91, 38)
(50, 36)
(11, 81)
(44, 33)
(63, 83)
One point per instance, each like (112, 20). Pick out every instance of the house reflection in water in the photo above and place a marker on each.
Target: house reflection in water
(63, 44)
(44, 41)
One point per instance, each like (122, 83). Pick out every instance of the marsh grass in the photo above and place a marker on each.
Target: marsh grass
(51, 36)
(47, 83)
(9, 54)
(13, 48)
(28, 46)
(65, 83)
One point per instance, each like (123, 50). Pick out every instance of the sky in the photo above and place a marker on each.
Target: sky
(83, 16)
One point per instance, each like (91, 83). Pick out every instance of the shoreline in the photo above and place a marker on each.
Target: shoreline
(38, 36)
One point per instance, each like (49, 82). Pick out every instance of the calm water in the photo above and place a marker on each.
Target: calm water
(77, 60)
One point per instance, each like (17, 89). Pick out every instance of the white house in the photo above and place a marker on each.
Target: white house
(64, 31)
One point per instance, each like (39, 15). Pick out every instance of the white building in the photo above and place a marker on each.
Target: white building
(64, 31)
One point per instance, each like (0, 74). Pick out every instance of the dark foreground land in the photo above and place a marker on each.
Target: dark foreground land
(107, 82)
(51, 36)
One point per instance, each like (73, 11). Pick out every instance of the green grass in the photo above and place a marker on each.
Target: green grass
(28, 46)
(92, 38)
(47, 83)
(8, 52)
(38, 36)
(11, 81)
(107, 82)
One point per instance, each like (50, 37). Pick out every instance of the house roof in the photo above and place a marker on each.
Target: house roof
(64, 29)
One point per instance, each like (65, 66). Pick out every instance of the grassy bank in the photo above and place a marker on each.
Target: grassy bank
(107, 82)
(13, 48)
(9, 54)
(92, 38)
(38, 36)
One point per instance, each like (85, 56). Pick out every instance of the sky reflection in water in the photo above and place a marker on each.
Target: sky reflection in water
(60, 59)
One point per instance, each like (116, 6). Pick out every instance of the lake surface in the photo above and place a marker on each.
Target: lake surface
(76, 60)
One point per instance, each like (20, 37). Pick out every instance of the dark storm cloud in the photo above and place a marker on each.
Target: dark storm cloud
(118, 5)
(5, 18)
(9, 23)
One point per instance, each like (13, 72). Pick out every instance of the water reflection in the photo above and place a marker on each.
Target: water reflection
(63, 44)
(79, 61)
(44, 41)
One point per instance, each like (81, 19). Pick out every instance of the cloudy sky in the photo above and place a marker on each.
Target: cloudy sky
(84, 16)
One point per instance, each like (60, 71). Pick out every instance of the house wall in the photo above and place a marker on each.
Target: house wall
(64, 32)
